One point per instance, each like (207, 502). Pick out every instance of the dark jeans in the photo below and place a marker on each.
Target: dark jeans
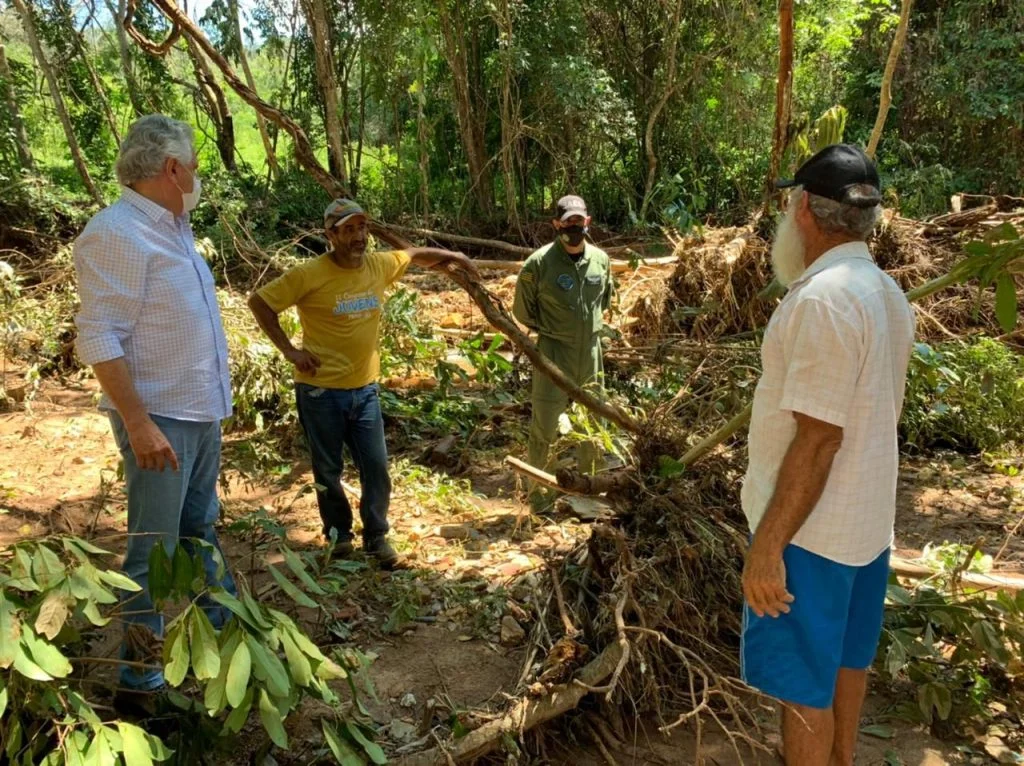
(333, 418)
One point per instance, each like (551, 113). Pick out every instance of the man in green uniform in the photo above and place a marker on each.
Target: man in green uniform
(562, 294)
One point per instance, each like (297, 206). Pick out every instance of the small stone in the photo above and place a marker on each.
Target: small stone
(512, 633)
(454, 532)
(408, 700)
(401, 731)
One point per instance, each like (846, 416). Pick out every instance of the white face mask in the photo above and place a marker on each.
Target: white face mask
(189, 200)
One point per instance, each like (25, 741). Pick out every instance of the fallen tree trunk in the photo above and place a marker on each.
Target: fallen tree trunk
(459, 239)
(498, 316)
(526, 714)
(616, 266)
(909, 569)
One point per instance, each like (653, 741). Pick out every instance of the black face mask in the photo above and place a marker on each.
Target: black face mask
(572, 235)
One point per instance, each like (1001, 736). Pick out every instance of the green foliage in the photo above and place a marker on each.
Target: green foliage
(965, 395)
(960, 654)
(55, 594)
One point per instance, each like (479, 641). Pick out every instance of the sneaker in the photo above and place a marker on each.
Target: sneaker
(381, 550)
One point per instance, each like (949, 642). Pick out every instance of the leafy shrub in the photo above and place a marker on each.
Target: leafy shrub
(964, 395)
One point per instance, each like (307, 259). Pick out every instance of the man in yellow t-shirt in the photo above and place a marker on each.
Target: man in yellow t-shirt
(339, 297)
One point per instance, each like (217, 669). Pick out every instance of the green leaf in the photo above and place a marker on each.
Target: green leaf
(343, 752)
(3, 698)
(1005, 232)
(298, 663)
(53, 613)
(237, 718)
(238, 675)
(985, 635)
(935, 696)
(977, 247)
(44, 654)
(669, 467)
(372, 749)
(21, 573)
(296, 595)
(159, 573)
(233, 605)
(84, 545)
(158, 749)
(83, 709)
(268, 668)
(878, 730)
(75, 748)
(10, 632)
(295, 564)
(272, 720)
(203, 643)
(85, 584)
(301, 640)
(23, 664)
(895, 658)
(181, 572)
(100, 752)
(135, 745)
(92, 612)
(256, 611)
(1006, 302)
(119, 581)
(12, 743)
(176, 656)
(47, 568)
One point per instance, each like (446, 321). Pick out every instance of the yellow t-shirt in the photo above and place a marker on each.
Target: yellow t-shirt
(339, 310)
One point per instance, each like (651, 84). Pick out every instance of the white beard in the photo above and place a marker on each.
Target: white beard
(788, 250)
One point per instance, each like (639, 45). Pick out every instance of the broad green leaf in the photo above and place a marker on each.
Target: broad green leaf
(13, 735)
(83, 709)
(85, 584)
(268, 668)
(878, 730)
(85, 545)
(159, 573)
(935, 696)
(47, 568)
(53, 613)
(984, 634)
(296, 595)
(233, 605)
(23, 664)
(135, 745)
(158, 749)
(182, 572)
(295, 564)
(237, 718)
(119, 581)
(238, 675)
(345, 754)
(298, 663)
(100, 752)
(92, 613)
(44, 654)
(3, 698)
(977, 247)
(1006, 302)
(272, 721)
(203, 643)
(75, 747)
(10, 632)
(329, 670)
(372, 749)
(176, 655)
(21, 572)
(1005, 232)
(310, 649)
(256, 611)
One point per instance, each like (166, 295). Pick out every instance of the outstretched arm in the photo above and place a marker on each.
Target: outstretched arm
(434, 257)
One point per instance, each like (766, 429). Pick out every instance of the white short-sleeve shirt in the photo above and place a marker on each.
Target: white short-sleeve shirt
(836, 349)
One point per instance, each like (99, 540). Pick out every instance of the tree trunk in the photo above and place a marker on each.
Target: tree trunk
(509, 111)
(783, 96)
(235, 13)
(97, 83)
(58, 99)
(423, 137)
(20, 134)
(123, 51)
(471, 119)
(316, 18)
(659, 106)
(182, 24)
(216, 106)
(890, 69)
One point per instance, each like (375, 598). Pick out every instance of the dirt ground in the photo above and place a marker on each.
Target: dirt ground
(58, 473)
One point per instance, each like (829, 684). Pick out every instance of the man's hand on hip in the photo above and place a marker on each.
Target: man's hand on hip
(764, 582)
(305, 361)
(152, 450)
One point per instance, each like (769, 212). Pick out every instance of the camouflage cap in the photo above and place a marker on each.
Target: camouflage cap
(341, 210)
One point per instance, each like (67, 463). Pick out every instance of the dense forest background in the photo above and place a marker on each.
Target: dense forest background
(478, 114)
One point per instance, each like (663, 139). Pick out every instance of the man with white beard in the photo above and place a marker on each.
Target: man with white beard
(820, 490)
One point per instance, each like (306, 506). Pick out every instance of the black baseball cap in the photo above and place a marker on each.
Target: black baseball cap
(570, 205)
(835, 171)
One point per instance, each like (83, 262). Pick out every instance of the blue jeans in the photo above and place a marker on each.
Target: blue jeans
(168, 507)
(333, 418)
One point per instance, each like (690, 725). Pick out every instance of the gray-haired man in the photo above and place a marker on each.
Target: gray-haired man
(150, 328)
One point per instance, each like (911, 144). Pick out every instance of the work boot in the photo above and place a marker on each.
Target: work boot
(342, 550)
(380, 549)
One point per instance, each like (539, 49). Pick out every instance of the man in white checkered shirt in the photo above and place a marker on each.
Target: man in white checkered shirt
(820, 490)
(150, 328)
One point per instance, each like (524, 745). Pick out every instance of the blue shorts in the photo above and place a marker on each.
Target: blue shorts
(834, 622)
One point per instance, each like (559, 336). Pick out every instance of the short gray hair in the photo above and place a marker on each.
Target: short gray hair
(841, 218)
(149, 142)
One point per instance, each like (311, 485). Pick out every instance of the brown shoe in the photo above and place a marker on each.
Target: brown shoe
(380, 549)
